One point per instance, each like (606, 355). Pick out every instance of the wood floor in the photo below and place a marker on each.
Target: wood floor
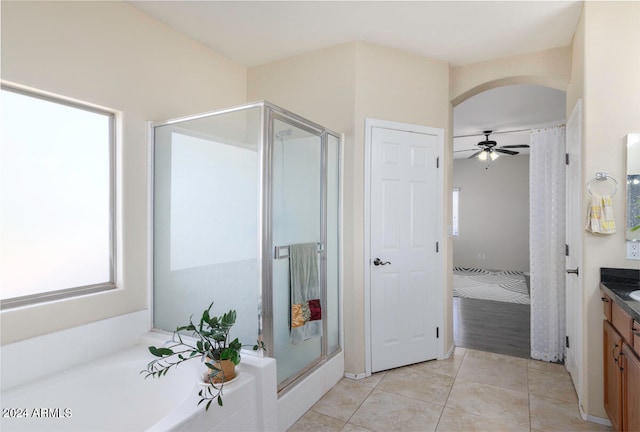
(497, 327)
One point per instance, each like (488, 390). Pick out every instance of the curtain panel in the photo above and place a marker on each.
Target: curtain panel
(547, 186)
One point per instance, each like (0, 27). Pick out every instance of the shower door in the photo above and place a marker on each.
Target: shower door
(297, 206)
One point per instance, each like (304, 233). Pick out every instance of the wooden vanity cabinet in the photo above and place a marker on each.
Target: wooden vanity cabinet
(631, 390)
(621, 343)
(622, 322)
(606, 305)
(612, 375)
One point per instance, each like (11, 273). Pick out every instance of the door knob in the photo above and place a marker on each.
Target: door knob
(575, 272)
(378, 261)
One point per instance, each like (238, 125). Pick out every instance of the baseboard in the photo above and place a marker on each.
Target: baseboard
(594, 419)
(358, 376)
(294, 403)
(450, 352)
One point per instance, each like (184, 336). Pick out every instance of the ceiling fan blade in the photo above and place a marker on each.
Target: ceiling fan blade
(516, 146)
(459, 151)
(509, 152)
(475, 154)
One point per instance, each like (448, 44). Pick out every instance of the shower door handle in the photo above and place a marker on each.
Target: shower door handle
(378, 262)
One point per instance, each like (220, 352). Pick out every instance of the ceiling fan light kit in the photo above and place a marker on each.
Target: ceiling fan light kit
(489, 150)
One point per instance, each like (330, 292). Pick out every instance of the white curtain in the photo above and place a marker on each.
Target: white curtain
(547, 243)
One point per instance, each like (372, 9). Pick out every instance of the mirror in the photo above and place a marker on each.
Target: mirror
(633, 187)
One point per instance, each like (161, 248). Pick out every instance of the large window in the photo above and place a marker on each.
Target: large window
(56, 199)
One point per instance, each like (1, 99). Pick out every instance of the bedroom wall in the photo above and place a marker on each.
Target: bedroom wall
(493, 213)
(112, 55)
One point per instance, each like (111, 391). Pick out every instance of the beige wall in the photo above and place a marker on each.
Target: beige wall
(112, 55)
(318, 86)
(339, 87)
(493, 213)
(398, 86)
(549, 68)
(575, 89)
(611, 110)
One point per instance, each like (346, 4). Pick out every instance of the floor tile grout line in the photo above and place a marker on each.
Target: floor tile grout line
(456, 378)
(363, 401)
(526, 391)
(452, 384)
(442, 407)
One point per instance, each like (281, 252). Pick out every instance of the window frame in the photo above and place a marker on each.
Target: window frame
(455, 212)
(72, 292)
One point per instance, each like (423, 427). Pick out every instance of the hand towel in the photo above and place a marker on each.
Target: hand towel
(600, 216)
(306, 311)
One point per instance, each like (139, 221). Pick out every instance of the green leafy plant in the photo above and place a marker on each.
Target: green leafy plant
(211, 345)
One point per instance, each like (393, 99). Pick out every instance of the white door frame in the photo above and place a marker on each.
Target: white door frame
(369, 125)
(575, 121)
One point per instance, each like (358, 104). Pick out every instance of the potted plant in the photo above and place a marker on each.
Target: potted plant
(212, 347)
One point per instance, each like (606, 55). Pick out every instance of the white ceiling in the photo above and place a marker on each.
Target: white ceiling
(459, 32)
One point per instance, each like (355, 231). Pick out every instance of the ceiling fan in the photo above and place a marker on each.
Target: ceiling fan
(489, 149)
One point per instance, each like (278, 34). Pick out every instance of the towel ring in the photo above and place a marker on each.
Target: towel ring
(600, 176)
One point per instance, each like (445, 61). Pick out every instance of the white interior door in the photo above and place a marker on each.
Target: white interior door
(405, 273)
(574, 247)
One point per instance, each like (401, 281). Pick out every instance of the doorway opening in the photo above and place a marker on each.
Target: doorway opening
(491, 267)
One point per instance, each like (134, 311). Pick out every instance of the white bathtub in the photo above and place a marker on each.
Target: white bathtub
(111, 395)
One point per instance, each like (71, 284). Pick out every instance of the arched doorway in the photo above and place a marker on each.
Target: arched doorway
(491, 305)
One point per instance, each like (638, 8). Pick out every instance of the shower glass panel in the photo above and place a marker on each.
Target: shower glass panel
(332, 243)
(206, 220)
(232, 189)
(296, 218)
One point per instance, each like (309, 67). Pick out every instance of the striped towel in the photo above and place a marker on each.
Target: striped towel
(306, 310)
(600, 216)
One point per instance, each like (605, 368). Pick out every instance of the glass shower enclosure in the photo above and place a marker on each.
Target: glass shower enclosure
(232, 191)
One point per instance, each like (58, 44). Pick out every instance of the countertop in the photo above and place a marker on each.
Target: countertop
(617, 284)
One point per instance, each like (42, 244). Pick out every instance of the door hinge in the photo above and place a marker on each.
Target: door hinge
(438, 162)
(566, 341)
(566, 250)
(437, 247)
(566, 158)
(437, 332)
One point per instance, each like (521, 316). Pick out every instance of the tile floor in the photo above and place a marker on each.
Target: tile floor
(471, 391)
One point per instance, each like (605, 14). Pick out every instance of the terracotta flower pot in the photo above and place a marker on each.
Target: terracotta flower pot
(228, 373)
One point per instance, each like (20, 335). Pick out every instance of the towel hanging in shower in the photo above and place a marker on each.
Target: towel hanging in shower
(306, 310)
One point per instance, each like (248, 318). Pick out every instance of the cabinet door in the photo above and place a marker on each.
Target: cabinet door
(612, 375)
(631, 390)
(606, 306)
(622, 323)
